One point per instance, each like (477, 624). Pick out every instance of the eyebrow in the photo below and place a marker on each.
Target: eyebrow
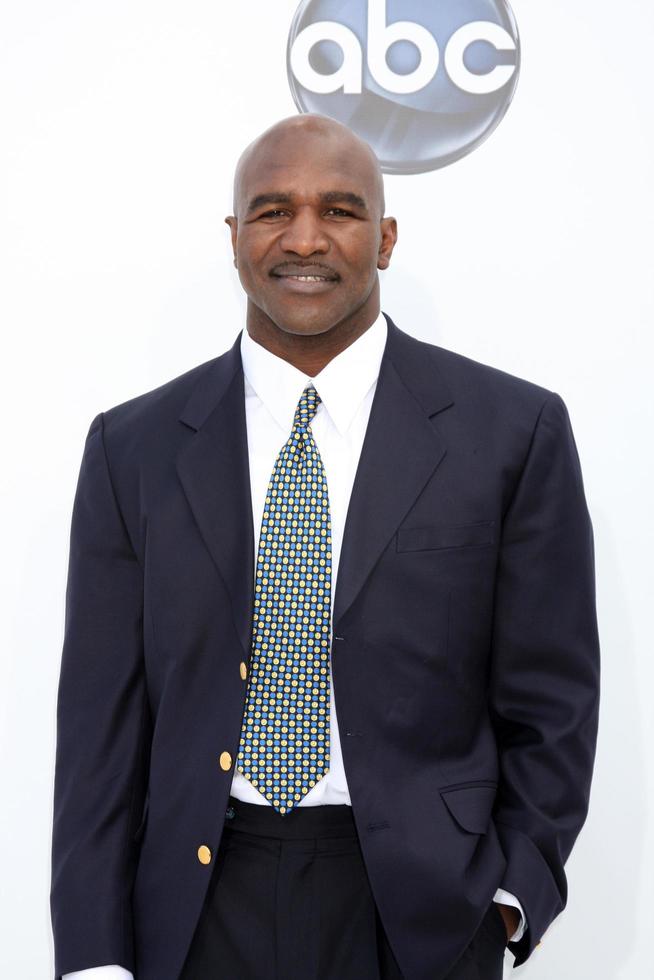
(329, 197)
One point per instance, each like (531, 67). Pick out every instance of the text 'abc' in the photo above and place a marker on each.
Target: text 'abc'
(380, 37)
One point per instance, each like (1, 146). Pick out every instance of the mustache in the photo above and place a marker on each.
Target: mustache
(304, 269)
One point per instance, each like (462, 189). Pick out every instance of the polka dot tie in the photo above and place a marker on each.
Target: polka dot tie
(284, 748)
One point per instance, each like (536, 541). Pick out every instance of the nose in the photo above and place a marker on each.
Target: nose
(304, 234)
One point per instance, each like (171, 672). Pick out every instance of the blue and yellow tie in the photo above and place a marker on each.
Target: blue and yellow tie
(284, 748)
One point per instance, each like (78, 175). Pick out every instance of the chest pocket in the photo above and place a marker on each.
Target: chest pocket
(438, 536)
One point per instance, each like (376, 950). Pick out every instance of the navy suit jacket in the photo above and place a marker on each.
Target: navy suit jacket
(465, 659)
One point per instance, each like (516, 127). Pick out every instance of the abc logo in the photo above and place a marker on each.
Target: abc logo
(423, 91)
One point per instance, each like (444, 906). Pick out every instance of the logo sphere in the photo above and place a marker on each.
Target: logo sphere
(423, 82)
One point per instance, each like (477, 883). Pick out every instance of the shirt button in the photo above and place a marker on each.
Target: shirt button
(225, 761)
(204, 854)
(244, 672)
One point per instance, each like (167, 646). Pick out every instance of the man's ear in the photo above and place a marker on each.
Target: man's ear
(233, 227)
(388, 239)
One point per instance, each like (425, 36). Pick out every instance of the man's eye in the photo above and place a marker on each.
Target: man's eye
(272, 214)
(340, 212)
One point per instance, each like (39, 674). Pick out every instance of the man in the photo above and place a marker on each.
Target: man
(329, 689)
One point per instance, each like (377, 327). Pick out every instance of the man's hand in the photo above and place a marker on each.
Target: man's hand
(511, 918)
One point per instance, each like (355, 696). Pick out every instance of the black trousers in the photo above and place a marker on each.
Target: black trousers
(289, 899)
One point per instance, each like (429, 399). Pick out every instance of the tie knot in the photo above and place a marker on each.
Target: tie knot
(306, 408)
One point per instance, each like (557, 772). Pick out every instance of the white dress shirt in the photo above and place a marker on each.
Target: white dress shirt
(273, 387)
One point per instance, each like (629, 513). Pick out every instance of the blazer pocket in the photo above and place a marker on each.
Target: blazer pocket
(446, 536)
(471, 806)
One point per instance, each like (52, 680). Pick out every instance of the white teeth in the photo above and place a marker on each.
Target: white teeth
(309, 278)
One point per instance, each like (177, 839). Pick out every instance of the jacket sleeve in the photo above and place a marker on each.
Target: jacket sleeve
(103, 730)
(544, 684)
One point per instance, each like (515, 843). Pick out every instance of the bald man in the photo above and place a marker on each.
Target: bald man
(329, 689)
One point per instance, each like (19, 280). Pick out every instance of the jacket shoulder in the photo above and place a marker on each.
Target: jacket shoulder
(148, 427)
(164, 398)
(153, 411)
(472, 378)
(484, 395)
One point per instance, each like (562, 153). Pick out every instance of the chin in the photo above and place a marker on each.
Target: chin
(304, 326)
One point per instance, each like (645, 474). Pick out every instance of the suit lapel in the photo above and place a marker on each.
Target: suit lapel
(214, 471)
(401, 451)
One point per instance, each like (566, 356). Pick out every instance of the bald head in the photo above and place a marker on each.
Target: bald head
(299, 138)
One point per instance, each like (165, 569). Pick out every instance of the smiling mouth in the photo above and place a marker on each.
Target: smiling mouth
(309, 278)
(304, 274)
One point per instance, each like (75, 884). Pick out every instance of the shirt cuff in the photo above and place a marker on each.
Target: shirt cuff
(100, 973)
(506, 898)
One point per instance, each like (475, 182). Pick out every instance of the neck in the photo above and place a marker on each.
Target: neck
(309, 353)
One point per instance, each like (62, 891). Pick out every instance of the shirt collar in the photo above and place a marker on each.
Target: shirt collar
(342, 384)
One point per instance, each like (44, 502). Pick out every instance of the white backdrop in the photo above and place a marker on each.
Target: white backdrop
(120, 123)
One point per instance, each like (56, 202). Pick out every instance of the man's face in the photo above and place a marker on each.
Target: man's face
(309, 237)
